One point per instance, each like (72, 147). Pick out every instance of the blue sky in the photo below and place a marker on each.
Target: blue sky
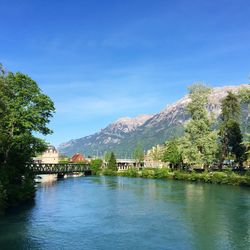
(100, 59)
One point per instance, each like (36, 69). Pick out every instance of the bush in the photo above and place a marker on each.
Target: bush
(206, 177)
(109, 172)
(235, 179)
(148, 173)
(162, 173)
(179, 175)
(131, 172)
(219, 177)
(193, 176)
(227, 177)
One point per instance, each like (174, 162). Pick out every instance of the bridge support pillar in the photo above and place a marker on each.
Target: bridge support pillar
(60, 175)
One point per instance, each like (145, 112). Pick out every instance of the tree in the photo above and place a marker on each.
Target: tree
(24, 109)
(138, 154)
(95, 165)
(247, 144)
(156, 152)
(244, 96)
(230, 133)
(107, 156)
(172, 153)
(198, 146)
(112, 162)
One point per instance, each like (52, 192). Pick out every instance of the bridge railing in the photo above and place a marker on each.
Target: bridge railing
(44, 168)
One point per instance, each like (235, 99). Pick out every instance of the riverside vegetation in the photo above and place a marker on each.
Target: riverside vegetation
(225, 177)
(24, 110)
(206, 144)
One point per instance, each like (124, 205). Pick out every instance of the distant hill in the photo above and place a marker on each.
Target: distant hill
(122, 135)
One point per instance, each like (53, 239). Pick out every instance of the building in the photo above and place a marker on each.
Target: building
(155, 153)
(153, 157)
(124, 164)
(50, 156)
(77, 158)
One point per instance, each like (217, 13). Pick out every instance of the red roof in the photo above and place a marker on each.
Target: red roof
(77, 158)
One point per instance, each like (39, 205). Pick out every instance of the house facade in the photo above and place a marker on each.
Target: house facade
(50, 156)
(77, 158)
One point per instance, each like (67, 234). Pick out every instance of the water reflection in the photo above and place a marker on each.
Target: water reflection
(128, 213)
(46, 184)
(13, 228)
(215, 216)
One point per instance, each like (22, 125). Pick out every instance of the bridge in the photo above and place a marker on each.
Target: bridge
(60, 169)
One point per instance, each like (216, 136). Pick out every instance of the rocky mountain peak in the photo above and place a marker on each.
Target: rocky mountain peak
(126, 124)
(177, 109)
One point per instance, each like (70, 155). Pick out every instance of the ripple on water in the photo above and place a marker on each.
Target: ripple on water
(130, 213)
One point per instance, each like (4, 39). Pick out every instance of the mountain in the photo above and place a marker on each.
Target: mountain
(103, 141)
(123, 135)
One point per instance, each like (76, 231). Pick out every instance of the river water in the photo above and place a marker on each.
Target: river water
(130, 213)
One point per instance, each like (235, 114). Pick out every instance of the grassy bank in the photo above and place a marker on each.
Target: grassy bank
(228, 177)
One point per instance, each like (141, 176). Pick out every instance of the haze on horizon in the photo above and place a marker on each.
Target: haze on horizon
(102, 60)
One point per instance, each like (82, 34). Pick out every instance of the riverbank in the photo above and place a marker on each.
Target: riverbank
(227, 177)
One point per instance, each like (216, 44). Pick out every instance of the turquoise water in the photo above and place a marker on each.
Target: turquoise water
(130, 213)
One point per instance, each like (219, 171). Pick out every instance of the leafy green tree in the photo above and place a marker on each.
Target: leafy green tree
(199, 146)
(230, 134)
(138, 154)
(172, 153)
(24, 109)
(112, 162)
(247, 144)
(95, 165)
(244, 95)
(156, 152)
(107, 156)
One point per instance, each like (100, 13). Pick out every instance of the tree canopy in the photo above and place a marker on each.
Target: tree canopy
(107, 156)
(244, 94)
(24, 111)
(199, 145)
(112, 162)
(230, 133)
(96, 165)
(138, 154)
(172, 153)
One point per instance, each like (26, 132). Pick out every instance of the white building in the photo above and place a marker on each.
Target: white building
(50, 156)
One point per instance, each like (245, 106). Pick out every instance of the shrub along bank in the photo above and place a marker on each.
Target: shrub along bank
(227, 177)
